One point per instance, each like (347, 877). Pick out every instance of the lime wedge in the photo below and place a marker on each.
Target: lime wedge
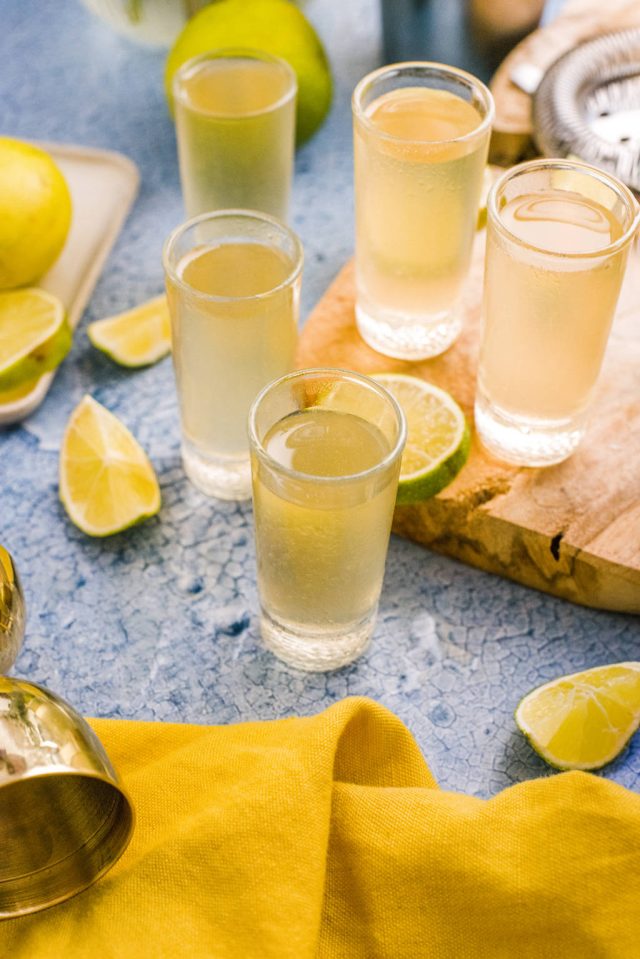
(138, 337)
(584, 720)
(34, 336)
(438, 437)
(106, 480)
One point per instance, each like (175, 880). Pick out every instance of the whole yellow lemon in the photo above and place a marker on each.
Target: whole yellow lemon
(35, 212)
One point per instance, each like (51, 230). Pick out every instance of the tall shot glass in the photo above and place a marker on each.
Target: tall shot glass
(235, 125)
(326, 447)
(558, 235)
(421, 136)
(233, 286)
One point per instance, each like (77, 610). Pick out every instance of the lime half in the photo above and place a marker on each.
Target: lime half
(138, 337)
(584, 720)
(34, 336)
(438, 437)
(106, 480)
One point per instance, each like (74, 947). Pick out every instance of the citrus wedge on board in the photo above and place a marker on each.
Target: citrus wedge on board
(584, 720)
(137, 337)
(438, 437)
(106, 480)
(34, 336)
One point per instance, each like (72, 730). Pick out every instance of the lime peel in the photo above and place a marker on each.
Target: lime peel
(583, 720)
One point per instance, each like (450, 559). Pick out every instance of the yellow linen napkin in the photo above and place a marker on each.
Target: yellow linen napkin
(326, 837)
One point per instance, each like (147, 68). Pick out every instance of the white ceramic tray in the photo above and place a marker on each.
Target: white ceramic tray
(103, 186)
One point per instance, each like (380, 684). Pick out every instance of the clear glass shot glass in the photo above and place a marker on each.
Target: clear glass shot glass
(233, 285)
(558, 235)
(326, 447)
(235, 115)
(421, 136)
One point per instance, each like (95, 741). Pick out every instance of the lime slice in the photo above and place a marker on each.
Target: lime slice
(584, 720)
(438, 437)
(138, 337)
(34, 336)
(106, 480)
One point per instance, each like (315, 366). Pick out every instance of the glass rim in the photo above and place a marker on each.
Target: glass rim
(442, 69)
(338, 373)
(530, 166)
(233, 53)
(250, 215)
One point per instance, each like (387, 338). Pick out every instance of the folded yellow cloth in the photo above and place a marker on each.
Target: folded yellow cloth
(327, 837)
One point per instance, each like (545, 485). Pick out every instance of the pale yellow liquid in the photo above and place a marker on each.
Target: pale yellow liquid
(235, 139)
(547, 318)
(416, 204)
(225, 351)
(321, 546)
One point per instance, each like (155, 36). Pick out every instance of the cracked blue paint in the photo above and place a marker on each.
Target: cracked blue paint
(161, 622)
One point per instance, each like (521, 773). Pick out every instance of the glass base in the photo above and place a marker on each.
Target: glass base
(525, 442)
(220, 476)
(318, 650)
(407, 337)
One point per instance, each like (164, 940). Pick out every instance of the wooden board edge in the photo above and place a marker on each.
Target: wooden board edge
(524, 556)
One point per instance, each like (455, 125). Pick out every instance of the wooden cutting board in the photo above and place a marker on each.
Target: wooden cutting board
(573, 529)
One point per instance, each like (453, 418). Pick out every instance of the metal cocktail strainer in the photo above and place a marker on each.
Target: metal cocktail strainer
(588, 105)
(64, 817)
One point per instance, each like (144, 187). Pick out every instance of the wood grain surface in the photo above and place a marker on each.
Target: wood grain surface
(573, 529)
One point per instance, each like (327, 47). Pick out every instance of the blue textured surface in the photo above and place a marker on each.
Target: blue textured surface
(160, 622)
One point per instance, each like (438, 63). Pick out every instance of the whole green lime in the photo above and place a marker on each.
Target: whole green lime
(35, 212)
(275, 26)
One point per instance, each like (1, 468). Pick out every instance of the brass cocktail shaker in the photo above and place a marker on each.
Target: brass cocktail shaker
(64, 816)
